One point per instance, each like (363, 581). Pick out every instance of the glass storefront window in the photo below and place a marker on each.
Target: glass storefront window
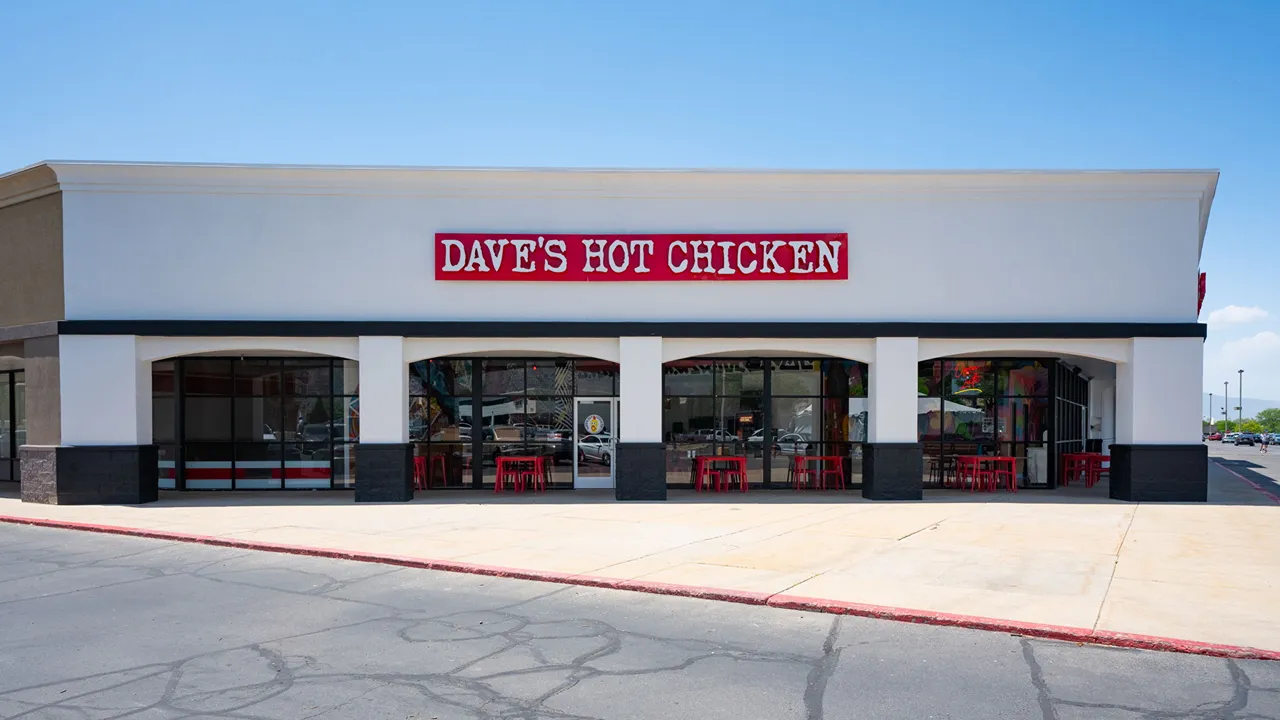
(206, 376)
(255, 423)
(969, 378)
(549, 377)
(1024, 378)
(1023, 419)
(688, 418)
(969, 419)
(595, 378)
(304, 377)
(768, 410)
(797, 377)
(740, 377)
(689, 377)
(258, 419)
(257, 377)
(930, 379)
(502, 377)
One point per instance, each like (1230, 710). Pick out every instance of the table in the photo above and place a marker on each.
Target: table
(987, 478)
(832, 465)
(516, 468)
(1088, 464)
(718, 478)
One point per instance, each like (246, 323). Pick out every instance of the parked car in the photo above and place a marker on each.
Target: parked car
(1229, 437)
(791, 444)
(755, 443)
(596, 448)
(1245, 438)
(1215, 436)
(723, 436)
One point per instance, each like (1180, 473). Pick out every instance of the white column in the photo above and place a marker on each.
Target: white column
(893, 391)
(384, 391)
(105, 396)
(1158, 392)
(640, 389)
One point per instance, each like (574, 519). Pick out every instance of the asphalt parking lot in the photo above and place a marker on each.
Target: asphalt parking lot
(99, 626)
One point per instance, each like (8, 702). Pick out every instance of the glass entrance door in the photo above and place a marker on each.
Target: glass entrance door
(595, 440)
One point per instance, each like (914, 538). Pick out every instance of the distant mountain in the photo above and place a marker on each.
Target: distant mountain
(1251, 406)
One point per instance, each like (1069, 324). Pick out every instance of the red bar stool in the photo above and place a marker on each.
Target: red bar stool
(1005, 469)
(437, 459)
(1093, 472)
(966, 469)
(982, 476)
(700, 473)
(738, 472)
(499, 481)
(1074, 465)
(527, 475)
(419, 472)
(802, 473)
(544, 477)
(836, 473)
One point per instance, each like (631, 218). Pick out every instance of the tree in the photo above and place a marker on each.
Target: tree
(1251, 426)
(1225, 426)
(1270, 419)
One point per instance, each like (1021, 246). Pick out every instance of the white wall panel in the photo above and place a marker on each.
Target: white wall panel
(1031, 248)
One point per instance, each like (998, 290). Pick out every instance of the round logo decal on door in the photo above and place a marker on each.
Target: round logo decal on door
(593, 424)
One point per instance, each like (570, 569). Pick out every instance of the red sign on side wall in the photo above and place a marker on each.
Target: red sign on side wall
(548, 257)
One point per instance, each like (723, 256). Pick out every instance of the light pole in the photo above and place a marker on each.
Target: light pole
(1241, 388)
(1226, 398)
(1211, 409)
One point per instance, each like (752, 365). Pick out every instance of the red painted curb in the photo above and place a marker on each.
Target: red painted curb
(1017, 627)
(1274, 498)
(786, 602)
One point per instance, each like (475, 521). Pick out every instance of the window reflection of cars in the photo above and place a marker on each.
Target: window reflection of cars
(596, 448)
(716, 435)
(791, 444)
(755, 443)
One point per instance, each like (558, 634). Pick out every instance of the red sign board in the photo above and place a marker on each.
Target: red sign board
(549, 257)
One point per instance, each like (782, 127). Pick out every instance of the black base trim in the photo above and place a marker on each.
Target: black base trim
(640, 471)
(1160, 473)
(384, 472)
(90, 474)
(456, 328)
(893, 471)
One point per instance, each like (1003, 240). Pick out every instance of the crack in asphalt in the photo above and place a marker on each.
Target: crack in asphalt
(816, 686)
(1043, 696)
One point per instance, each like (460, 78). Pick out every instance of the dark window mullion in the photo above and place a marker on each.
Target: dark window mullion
(180, 431)
(279, 368)
(235, 445)
(477, 423)
(766, 417)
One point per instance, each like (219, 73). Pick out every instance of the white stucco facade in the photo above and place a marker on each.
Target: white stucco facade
(935, 261)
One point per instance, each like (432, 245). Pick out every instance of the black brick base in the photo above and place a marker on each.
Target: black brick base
(641, 471)
(90, 475)
(1160, 473)
(384, 472)
(893, 471)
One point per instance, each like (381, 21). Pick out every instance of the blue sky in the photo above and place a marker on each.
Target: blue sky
(697, 83)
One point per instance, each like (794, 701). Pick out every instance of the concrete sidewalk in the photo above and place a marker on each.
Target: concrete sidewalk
(1206, 573)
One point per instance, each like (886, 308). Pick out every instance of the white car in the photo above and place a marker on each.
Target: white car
(596, 447)
(792, 444)
(723, 436)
